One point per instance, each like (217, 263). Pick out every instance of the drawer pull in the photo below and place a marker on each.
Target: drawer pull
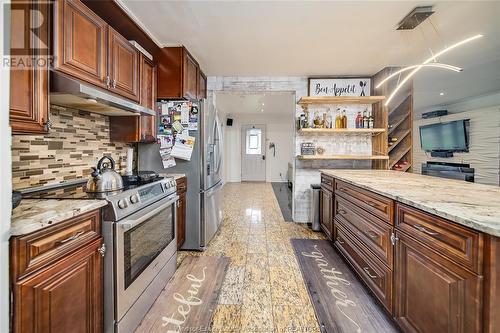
(367, 270)
(342, 212)
(75, 236)
(340, 240)
(372, 234)
(371, 204)
(342, 189)
(419, 227)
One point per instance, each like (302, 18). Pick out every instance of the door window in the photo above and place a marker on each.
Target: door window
(253, 141)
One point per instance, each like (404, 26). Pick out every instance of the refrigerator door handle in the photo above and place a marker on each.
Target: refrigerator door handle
(214, 188)
(218, 141)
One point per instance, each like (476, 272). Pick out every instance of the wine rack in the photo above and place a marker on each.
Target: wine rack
(400, 120)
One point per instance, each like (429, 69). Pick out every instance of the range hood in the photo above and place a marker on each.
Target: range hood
(69, 92)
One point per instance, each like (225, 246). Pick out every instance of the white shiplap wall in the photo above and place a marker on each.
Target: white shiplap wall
(484, 143)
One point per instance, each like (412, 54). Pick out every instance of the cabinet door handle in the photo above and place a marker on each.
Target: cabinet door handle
(367, 271)
(75, 236)
(424, 230)
(372, 234)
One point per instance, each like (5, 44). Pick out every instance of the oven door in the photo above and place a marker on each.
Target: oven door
(144, 242)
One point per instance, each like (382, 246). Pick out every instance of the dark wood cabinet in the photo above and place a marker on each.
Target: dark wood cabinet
(29, 87)
(181, 211)
(57, 277)
(123, 66)
(178, 74)
(141, 128)
(434, 294)
(202, 85)
(325, 211)
(80, 43)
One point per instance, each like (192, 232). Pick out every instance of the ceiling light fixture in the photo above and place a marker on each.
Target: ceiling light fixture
(434, 64)
(433, 57)
(441, 94)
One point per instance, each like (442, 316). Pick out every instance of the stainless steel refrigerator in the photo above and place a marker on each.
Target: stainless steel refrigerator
(204, 177)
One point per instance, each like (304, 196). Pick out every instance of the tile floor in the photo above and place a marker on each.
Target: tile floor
(263, 290)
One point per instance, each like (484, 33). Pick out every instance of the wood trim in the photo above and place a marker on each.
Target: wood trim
(312, 100)
(491, 290)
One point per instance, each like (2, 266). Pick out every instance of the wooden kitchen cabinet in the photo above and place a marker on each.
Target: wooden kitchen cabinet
(123, 66)
(181, 211)
(434, 294)
(57, 277)
(178, 74)
(202, 85)
(29, 87)
(80, 43)
(326, 210)
(143, 127)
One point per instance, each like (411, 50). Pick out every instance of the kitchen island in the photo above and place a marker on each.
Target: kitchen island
(426, 247)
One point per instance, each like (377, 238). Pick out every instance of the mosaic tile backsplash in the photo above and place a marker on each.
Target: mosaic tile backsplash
(75, 143)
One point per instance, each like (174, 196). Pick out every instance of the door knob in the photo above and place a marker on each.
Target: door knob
(263, 157)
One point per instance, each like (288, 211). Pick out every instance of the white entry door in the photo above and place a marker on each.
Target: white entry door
(253, 153)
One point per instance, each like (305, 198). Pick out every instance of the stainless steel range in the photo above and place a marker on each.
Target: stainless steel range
(139, 228)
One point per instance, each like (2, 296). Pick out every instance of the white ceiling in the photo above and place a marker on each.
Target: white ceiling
(258, 104)
(276, 38)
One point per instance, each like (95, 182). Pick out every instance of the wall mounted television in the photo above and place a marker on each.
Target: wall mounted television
(449, 136)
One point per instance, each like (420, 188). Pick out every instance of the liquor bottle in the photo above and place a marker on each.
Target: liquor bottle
(359, 120)
(370, 121)
(338, 119)
(365, 120)
(344, 119)
(392, 139)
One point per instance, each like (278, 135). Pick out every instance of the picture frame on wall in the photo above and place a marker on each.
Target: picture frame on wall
(339, 86)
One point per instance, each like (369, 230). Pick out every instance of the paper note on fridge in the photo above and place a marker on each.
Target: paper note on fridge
(183, 148)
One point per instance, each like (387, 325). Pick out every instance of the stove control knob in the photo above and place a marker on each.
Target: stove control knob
(122, 203)
(134, 198)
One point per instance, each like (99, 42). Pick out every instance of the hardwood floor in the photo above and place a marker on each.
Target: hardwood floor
(263, 290)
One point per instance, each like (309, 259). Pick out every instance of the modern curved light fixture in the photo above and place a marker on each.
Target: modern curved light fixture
(434, 64)
(434, 57)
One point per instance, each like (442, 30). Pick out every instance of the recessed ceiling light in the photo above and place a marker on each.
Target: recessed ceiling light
(261, 110)
(441, 94)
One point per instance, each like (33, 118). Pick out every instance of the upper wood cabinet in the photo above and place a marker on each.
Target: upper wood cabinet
(80, 42)
(123, 66)
(86, 48)
(29, 104)
(202, 85)
(178, 74)
(142, 128)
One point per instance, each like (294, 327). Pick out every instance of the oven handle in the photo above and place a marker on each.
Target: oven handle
(129, 224)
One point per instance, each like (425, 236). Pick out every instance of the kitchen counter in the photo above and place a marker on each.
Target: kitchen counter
(473, 205)
(35, 214)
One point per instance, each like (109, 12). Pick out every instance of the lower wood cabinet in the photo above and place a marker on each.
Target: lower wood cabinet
(434, 294)
(181, 211)
(65, 293)
(326, 211)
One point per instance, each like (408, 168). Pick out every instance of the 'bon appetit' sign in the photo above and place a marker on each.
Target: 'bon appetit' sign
(339, 87)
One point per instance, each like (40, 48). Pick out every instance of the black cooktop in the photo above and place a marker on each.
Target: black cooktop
(78, 191)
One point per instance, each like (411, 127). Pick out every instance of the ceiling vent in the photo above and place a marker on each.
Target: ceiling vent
(415, 17)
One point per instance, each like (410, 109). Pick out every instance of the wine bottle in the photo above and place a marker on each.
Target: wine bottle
(370, 121)
(359, 120)
(344, 119)
(338, 119)
(365, 119)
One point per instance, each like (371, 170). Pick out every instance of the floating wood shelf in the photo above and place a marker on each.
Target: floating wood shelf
(341, 130)
(342, 157)
(340, 100)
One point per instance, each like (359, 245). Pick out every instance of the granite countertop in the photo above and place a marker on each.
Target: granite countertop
(36, 214)
(473, 205)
